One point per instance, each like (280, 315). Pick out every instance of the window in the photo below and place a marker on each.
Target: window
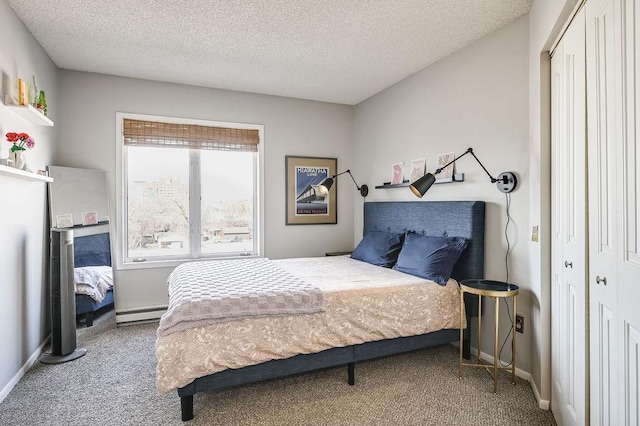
(190, 190)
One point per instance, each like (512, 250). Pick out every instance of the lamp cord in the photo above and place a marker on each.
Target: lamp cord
(506, 235)
(506, 265)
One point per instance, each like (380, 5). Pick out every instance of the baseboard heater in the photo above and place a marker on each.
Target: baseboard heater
(151, 313)
(63, 300)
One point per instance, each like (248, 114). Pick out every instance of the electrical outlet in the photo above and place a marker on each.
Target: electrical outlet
(519, 323)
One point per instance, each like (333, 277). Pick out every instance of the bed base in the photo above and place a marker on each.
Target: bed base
(86, 306)
(348, 356)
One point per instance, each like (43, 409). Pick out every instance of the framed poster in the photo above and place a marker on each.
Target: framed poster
(305, 204)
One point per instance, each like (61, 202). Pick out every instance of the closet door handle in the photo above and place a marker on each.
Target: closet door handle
(568, 264)
(602, 280)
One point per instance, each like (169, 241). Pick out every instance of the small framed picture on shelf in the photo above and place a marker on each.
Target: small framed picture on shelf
(397, 173)
(89, 218)
(444, 159)
(64, 221)
(417, 169)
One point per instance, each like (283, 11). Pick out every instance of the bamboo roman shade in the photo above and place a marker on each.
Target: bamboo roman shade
(174, 135)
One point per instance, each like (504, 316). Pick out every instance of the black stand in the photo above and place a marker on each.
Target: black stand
(59, 359)
(63, 301)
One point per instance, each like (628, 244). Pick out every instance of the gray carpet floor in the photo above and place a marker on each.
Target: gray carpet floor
(114, 384)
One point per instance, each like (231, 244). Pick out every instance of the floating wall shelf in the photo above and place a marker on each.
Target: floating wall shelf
(31, 114)
(21, 174)
(396, 185)
(458, 177)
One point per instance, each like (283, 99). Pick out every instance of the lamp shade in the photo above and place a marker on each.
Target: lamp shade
(422, 185)
(325, 186)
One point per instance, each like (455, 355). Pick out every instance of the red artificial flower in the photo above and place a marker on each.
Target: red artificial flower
(20, 141)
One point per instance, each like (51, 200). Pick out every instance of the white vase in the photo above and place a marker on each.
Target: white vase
(18, 159)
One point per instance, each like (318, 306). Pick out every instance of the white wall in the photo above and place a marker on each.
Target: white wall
(24, 322)
(545, 22)
(476, 97)
(292, 127)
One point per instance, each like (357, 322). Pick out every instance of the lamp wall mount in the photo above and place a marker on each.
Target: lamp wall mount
(506, 182)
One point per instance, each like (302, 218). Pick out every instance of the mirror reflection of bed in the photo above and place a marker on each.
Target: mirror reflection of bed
(93, 275)
(78, 200)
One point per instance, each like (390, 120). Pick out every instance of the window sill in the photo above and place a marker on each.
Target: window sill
(172, 263)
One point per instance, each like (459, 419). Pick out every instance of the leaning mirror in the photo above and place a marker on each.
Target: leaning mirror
(78, 200)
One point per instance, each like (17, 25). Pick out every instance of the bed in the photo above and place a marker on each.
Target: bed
(92, 259)
(464, 219)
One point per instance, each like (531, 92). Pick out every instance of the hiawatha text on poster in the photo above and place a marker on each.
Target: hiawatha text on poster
(309, 200)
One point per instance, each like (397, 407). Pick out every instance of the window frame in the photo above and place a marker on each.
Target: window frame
(195, 254)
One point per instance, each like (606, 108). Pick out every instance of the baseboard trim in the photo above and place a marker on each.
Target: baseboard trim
(489, 358)
(542, 403)
(137, 315)
(25, 367)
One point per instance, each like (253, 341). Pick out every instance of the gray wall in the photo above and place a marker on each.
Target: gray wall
(472, 98)
(292, 127)
(476, 97)
(23, 212)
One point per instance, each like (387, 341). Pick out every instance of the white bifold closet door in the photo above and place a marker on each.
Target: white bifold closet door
(568, 221)
(601, 94)
(613, 81)
(628, 217)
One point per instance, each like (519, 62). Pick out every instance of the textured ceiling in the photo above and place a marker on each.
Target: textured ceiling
(340, 51)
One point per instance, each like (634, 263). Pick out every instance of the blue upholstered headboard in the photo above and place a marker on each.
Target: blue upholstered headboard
(437, 218)
(92, 250)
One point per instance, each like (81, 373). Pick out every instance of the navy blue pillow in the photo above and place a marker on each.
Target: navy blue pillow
(430, 257)
(379, 248)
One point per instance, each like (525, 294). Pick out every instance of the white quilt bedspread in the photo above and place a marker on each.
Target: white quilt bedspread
(202, 293)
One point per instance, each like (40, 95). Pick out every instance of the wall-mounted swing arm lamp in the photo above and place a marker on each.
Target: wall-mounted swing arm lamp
(326, 184)
(506, 181)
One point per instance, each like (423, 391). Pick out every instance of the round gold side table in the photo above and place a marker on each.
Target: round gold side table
(496, 290)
